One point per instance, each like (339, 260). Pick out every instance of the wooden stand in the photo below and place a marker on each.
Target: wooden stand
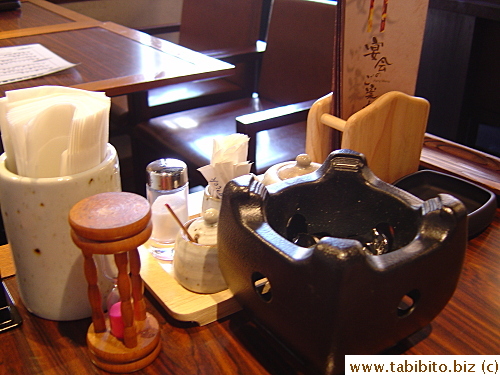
(389, 132)
(117, 223)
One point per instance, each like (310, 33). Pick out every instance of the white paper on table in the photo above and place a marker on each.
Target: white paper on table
(219, 175)
(229, 160)
(20, 63)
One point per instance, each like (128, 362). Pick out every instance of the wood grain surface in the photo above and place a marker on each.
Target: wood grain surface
(389, 132)
(461, 161)
(469, 324)
(179, 302)
(39, 13)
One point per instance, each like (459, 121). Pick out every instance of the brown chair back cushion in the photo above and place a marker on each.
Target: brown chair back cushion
(298, 64)
(216, 24)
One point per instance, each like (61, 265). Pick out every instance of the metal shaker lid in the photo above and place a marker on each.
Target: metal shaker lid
(166, 174)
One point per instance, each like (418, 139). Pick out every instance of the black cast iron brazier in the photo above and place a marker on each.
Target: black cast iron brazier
(336, 297)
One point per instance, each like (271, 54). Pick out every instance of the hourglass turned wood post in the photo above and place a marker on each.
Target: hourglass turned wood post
(125, 291)
(94, 293)
(137, 285)
(116, 223)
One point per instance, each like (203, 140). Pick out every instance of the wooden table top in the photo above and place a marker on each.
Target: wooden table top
(112, 58)
(38, 14)
(469, 324)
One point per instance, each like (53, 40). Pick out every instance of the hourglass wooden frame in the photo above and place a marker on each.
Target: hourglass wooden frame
(116, 223)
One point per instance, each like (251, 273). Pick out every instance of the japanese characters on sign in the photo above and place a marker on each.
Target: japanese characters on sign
(379, 49)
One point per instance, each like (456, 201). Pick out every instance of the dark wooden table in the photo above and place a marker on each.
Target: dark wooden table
(110, 58)
(469, 324)
(39, 14)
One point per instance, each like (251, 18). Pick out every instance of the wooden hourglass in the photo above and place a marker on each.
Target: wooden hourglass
(117, 223)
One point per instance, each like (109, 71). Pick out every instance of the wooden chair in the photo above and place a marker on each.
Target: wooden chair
(226, 30)
(296, 67)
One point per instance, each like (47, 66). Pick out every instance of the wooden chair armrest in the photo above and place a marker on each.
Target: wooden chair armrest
(449, 157)
(161, 29)
(255, 122)
(235, 55)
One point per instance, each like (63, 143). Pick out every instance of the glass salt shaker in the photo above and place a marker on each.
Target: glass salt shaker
(167, 183)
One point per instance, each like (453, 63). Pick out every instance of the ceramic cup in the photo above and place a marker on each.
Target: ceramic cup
(49, 266)
(196, 266)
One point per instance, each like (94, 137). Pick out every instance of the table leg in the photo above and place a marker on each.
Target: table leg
(138, 107)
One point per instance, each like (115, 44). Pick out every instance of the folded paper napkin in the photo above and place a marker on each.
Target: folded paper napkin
(52, 131)
(229, 160)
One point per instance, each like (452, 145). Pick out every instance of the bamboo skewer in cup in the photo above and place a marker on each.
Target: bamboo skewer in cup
(183, 228)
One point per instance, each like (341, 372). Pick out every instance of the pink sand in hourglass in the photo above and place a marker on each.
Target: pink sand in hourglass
(116, 321)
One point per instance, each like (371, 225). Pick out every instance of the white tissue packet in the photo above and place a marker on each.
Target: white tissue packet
(229, 160)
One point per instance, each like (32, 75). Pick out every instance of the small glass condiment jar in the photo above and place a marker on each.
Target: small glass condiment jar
(167, 183)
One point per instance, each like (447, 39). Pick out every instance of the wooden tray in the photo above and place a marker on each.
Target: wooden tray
(157, 275)
(179, 302)
(7, 267)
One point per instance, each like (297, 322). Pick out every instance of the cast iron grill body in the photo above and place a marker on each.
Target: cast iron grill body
(333, 298)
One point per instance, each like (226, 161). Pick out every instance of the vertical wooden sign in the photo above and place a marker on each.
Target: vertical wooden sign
(378, 50)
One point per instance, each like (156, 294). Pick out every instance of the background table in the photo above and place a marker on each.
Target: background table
(41, 14)
(110, 58)
(114, 59)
